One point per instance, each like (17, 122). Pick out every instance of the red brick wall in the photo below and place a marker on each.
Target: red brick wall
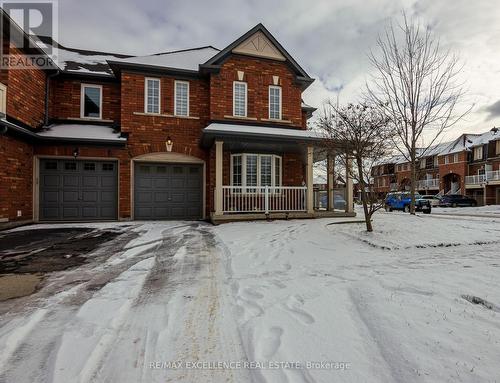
(258, 74)
(148, 133)
(25, 93)
(16, 175)
(459, 168)
(65, 96)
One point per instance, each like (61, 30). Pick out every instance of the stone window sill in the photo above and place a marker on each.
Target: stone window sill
(241, 118)
(165, 115)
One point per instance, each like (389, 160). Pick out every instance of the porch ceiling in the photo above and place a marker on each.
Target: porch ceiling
(262, 139)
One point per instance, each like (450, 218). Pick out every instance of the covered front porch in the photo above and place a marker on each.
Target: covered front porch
(267, 173)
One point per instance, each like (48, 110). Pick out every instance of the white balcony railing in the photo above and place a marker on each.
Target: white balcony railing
(493, 175)
(477, 179)
(266, 199)
(432, 183)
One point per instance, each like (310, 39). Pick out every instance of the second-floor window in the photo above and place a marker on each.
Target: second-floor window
(478, 153)
(240, 99)
(91, 101)
(275, 102)
(152, 99)
(181, 98)
(497, 151)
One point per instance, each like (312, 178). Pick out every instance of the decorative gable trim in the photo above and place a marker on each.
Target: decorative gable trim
(270, 46)
(259, 45)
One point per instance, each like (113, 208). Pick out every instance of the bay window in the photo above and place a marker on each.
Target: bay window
(255, 170)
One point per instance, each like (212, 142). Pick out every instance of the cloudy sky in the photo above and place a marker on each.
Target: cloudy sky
(329, 38)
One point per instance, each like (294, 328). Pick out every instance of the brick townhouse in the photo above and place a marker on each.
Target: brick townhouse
(192, 134)
(468, 165)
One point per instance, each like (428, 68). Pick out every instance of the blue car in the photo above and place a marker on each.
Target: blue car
(402, 201)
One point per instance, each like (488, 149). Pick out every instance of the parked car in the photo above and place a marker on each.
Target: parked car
(434, 200)
(339, 202)
(454, 200)
(402, 201)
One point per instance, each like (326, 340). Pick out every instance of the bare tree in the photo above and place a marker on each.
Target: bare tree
(416, 86)
(367, 137)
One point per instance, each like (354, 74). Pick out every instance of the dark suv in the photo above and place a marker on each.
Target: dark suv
(454, 200)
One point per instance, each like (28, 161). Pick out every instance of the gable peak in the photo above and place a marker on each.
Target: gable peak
(260, 46)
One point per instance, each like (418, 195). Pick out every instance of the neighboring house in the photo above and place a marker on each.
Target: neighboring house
(468, 165)
(192, 134)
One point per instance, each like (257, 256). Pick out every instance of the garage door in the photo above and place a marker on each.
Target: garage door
(78, 190)
(168, 191)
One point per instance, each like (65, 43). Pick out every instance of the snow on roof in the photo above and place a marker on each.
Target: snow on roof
(263, 131)
(188, 59)
(80, 131)
(306, 106)
(481, 139)
(74, 61)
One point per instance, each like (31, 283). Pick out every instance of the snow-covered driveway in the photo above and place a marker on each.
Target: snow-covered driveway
(157, 300)
(350, 306)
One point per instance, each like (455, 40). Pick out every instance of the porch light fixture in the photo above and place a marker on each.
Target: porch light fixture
(169, 144)
(76, 152)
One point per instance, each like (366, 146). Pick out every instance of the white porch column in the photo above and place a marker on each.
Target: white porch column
(310, 180)
(218, 176)
(330, 175)
(349, 208)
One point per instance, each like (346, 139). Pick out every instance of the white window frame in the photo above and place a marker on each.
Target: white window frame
(497, 147)
(234, 98)
(422, 163)
(146, 79)
(455, 158)
(478, 150)
(269, 102)
(244, 170)
(3, 99)
(446, 160)
(175, 98)
(436, 161)
(82, 101)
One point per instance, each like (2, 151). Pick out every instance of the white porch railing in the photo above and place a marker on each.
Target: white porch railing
(265, 199)
(432, 183)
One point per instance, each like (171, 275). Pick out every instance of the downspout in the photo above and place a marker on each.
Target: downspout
(47, 93)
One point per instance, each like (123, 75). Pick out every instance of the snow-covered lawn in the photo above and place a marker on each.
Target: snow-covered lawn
(386, 306)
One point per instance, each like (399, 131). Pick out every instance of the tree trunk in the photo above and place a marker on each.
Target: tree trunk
(364, 198)
(413, 176)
